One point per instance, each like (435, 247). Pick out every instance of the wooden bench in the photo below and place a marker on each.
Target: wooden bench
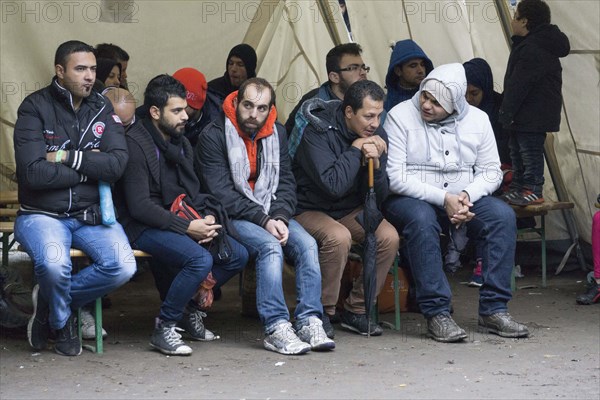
(541, 210)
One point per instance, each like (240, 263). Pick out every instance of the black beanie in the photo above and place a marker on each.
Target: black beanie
(247, 54)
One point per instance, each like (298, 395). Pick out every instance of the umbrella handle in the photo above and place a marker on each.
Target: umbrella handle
(371, 174)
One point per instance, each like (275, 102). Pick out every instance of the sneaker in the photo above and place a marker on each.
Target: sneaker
(193, 325)
(477, 278)
(327, 326)
(314, 334)
(507, 196)
(443, 329)
(358, 323)
(38, 327)
(591, 296)
(67, 341)
(502, 324)
(526, 198)
(88, 325)
(167, 340)
(283, 340)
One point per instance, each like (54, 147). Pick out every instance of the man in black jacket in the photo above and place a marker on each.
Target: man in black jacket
(67, 138)
(160, 169)
(332, 184)
(242, 159)
(532, 97)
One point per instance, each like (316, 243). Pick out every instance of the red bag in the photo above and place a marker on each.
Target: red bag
(183, 210)
(204, 295)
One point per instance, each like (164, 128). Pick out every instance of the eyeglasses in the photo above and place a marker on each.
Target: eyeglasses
(355, 67)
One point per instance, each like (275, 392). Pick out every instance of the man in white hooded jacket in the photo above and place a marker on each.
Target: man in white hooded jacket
(443, 166)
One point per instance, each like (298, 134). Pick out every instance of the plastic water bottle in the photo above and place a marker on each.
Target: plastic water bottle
(106, 204)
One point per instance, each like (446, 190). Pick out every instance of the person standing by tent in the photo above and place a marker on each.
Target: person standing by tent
(240, 65)
(344, 66)
(443, 166)
(332, 184)
(242, 159)
(592, 294)
(532, 96)
(67, 138)
(409, 65)
(159, 171)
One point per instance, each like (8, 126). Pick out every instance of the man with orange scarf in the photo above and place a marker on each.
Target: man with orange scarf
(242, 159)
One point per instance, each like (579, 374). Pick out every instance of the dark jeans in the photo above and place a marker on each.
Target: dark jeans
(527, 154)
(421, 223)
(180, 264)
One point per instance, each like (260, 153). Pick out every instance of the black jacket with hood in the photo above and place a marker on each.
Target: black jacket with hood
(533, 81)
(47, 122)
(330, 175)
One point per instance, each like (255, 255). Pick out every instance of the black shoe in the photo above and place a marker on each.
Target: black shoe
(167, 340)
(327, 327)
(358, 323)
(443, 329)
(38, 327)
(502, 324)
(193, 325)
(591, 296)
(67, 341)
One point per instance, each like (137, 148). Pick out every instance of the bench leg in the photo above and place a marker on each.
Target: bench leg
(98, 321)
(543, 235)
(396, 294)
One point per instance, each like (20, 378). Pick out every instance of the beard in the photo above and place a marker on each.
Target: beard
(249, 126)
(173, 131)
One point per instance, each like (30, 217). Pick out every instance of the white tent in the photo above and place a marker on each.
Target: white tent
(291, 39)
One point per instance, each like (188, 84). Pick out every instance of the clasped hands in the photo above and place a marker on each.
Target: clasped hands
(458, 208)
(372, 147)
(204, 230)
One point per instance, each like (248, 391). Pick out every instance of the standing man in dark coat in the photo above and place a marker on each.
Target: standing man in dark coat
(532, 96)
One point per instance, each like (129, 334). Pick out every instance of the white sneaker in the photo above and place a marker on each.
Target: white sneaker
(284, 340)
(88, 325)
(314, 334)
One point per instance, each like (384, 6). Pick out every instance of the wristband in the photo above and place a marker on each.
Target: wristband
(59, 155)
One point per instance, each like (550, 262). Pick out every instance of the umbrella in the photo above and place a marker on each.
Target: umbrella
(369, 219)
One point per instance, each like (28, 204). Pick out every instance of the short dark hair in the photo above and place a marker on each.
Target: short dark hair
(160, 89)
(334, 56)
(112, 51)
(359, 91)
(68, 48)
(260, 83)
(537, 13)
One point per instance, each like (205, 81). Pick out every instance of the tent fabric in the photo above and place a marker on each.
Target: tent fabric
(291, 38)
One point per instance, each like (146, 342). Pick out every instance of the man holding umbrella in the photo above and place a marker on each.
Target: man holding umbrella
(331, 172)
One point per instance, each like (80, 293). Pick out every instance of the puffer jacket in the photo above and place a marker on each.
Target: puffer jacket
(426, 160)
(47, 122)
(330, 176)
(533, 81)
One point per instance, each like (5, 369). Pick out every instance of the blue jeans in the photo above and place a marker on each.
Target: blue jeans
(47, 240)
(188, 264)
(494, 228)
(527, 154)
(301, 249)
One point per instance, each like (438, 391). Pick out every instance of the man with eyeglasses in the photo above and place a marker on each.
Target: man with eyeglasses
(345, 66)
